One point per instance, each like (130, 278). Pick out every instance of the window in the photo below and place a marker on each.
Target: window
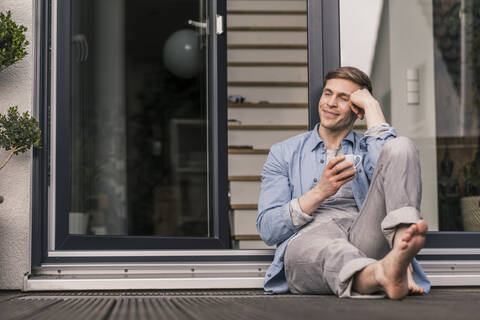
(424, 75)
(138, 129)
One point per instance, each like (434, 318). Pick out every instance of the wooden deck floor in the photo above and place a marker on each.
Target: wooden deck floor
(442, 303)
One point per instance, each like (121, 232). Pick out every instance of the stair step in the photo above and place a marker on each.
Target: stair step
(255, 12)
(266, 84)
(251, 206)
(268, 105)
(267, 12)
(271, 94)
(267, 28)
(244, 221)
(243, 192)
(266, 127)
(266, 55)
(266, 46)
(252, 245)
(265, 140)
(250, 164)
(265, 37)
(266, 5)
(244, 178)
(271, 22)
(268, 116)
(248, 151)
(268, 75)
(247, 237)
(274, 134)
(267, 64)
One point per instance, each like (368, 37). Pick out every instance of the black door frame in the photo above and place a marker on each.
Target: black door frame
(41, 159)
(41, 169)
(218, 163)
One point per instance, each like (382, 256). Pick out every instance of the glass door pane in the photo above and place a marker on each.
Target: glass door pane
(139, 129)
(423, 59)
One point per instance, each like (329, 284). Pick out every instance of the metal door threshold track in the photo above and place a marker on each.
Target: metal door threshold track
(451, 303)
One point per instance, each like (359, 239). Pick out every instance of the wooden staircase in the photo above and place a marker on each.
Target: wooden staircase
(267, 64)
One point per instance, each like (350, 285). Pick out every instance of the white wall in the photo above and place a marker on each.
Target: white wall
(411, 46)
(16, 84)
(405, 41)
(359, 23)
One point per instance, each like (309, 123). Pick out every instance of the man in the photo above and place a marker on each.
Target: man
(343, 229)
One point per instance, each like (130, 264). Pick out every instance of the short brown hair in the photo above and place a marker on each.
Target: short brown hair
(350, 73)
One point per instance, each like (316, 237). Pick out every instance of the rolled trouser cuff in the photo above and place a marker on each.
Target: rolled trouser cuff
(405, 215)
(346, 279)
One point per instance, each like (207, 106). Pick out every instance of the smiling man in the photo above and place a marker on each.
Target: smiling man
(343, 228)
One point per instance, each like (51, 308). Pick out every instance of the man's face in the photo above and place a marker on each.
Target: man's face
(334, 107)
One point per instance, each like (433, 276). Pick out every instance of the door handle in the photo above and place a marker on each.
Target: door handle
(197, 24)
(203, 25)
(219, 25)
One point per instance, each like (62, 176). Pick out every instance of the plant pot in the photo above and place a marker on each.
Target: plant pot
(470, 213)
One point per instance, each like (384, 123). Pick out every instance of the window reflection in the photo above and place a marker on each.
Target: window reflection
(138, 119)
(425, 75)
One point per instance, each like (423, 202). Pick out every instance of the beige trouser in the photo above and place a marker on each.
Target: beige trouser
(324, 259)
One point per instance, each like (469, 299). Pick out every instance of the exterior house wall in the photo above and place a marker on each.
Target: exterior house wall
(16, 88)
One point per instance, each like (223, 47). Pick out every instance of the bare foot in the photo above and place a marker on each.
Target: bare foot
(392, 271)
(413, 287)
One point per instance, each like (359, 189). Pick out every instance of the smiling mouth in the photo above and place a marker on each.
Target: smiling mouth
(330, 114)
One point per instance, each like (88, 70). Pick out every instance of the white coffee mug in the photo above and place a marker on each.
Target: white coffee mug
(353, 159)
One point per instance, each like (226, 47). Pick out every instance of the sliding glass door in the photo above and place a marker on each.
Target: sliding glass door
(140, 131)
(422, 57)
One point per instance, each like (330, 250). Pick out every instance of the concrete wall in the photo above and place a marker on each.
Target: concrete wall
(16, 88)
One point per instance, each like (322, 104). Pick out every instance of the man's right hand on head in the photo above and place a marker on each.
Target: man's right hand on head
(334, 176)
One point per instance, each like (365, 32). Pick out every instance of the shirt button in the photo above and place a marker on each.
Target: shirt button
(322, 161)
(359, 170)
(314, 179)
(269, 275)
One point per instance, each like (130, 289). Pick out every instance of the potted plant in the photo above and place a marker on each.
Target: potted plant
(470, 202)
(18, 133)
(13, 45)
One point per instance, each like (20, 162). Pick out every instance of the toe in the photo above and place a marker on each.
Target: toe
(407, 236)
(422, 226)
(413, 229)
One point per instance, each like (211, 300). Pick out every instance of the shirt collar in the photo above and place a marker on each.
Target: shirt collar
(315, 139)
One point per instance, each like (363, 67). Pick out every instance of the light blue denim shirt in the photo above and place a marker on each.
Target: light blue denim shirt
(289, 172)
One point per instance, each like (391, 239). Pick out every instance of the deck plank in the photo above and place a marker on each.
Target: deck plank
(441, 303)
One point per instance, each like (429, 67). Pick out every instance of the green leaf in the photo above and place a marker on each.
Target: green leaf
(13, 43)
(19, 132)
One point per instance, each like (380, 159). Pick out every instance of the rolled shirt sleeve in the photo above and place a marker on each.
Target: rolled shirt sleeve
(299, 218)
(377, 129)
